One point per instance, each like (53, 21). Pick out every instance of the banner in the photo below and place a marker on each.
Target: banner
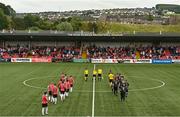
(2, 60)
(176, 61)
(21, 60)
(104, 61)
(42, 60)
(80, 60)
(141, 61)
(121, 61)
(166, 61)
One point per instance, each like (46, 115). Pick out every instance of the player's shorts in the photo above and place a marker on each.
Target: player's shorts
(62, 92)
(99, 75)
(44, 105)
(94, 75)
(110, 80)
(71, 85)
(67, 90)
(50, 93)
(86, 75)
(55, 96)
(115, 88)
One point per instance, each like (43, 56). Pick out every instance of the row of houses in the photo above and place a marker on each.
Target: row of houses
(126, 15)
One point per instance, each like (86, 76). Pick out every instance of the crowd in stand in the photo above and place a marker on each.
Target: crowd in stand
(135, 52)
(149, 52)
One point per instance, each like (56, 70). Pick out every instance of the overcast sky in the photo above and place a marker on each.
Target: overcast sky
(63, 5)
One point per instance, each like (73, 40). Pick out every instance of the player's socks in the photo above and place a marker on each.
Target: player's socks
(46, 112)
(55, 100)
(71, 89)
(43, 111)
(61, 97)
(49, 98)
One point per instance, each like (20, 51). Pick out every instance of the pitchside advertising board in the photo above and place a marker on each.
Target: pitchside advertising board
(27, 60)
(176, 61)
(121, 61)
(157, 61)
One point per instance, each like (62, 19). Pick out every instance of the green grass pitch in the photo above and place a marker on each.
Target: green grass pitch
(16, 99)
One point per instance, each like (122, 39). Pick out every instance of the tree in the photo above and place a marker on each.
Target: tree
(64, 26)
(34, 28)
(45, 25)
(150, 17)
(92, 27)
(76, 23)
(103, 27)
(31, 20)
(7, 10)
(18, 23)
(3, 20)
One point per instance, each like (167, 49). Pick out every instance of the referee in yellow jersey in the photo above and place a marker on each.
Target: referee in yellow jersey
(111, 78)
(94, 74)
(86, 73)
(99, 74)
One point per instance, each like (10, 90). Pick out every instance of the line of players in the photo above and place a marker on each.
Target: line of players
(118, 83)
(96, 73)
(64, 86)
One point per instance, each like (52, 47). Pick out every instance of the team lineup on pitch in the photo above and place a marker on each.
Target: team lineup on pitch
(149, 89)
(93, 90)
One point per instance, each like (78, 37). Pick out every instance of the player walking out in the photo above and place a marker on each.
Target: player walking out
(67, 86)
(123, 92)
(62, 91)
(71, 81)
(50, 89)
(44, 104)
(55, 94)
(115, 87)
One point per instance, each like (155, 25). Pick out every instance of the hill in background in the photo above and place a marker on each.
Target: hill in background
(169, 7)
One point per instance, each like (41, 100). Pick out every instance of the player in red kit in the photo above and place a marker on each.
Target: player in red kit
(50, 89)
(67, 86)
(62, 91)
(44, 104)
(71, 81)
(55, 94)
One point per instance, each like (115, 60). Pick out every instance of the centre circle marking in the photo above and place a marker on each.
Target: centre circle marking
(87, 91)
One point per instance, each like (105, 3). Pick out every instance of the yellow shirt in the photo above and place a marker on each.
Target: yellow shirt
(86, 72)
(111, 76)
(94, 72)
(99, 71)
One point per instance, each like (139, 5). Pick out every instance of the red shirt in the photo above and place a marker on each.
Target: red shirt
(59, 83)
(55, 90)
(62, 87)
(50, 87)
(71, 81)
(44, 99)
(67, 85)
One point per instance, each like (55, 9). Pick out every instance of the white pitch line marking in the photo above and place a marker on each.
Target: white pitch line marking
(87, 91)
(93, 100)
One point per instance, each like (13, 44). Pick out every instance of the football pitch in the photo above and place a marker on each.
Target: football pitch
(154, 90)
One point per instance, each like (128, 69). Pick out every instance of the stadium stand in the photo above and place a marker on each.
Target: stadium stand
(138, 52)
